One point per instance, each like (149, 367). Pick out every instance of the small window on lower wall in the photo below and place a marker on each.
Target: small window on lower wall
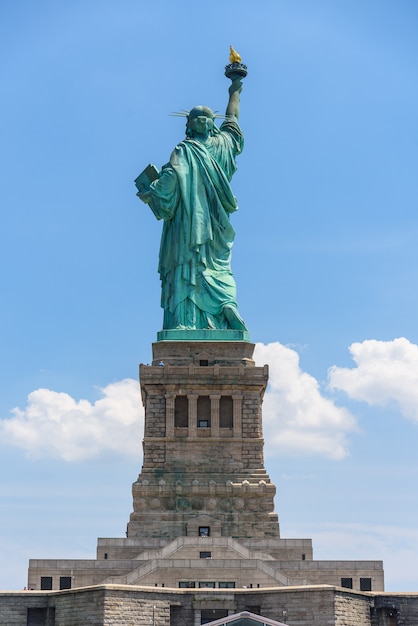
(204, 531)
(46, 583)
(205, 555)
(253, 609)
(39, 617)
(365, 584)
(210, 615)
(204, 584)
(226, 585)
(347, 583)
(36, 617)
(65, 582)
(187, 584)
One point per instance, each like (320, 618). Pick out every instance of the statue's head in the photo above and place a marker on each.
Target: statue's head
(200, 121)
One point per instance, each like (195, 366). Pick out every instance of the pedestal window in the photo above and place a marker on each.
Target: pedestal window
(226, 412)
(181, 412)
(203, 412)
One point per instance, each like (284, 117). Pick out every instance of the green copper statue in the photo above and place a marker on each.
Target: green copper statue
(193, 196)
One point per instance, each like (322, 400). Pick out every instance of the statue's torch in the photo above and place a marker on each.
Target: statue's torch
(235, 70)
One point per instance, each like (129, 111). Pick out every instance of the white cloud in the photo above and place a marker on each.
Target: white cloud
(55, 425)
(386, 373)
(297, 418)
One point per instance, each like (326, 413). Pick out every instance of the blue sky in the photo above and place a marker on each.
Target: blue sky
(325, 259)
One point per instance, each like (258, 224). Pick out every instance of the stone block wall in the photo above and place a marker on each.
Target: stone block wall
(352, 610)
(302, 607)
(399, 609)
(118, 605)
(14, 606)
(155, 407)
(101, 606)
(331, 572)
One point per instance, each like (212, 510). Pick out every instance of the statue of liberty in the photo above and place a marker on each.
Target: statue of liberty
(192, 194)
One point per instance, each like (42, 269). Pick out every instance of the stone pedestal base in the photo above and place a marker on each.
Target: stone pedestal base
(203, 469)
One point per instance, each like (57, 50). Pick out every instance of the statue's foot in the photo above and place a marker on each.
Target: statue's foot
(234, 319)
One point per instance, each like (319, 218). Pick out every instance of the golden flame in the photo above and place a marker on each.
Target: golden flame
(234, 56)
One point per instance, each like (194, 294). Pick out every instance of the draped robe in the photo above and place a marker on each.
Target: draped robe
(194, 198)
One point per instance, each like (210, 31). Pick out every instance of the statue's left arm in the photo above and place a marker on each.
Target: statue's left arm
(233, 107)
(162, 196)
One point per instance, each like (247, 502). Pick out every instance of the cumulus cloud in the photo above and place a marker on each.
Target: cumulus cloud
(386, 373)
(297, 418)
(55, 425)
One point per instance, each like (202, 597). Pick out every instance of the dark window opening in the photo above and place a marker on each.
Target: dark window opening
(65, 582)
(203, 411)
(303, 557)
(226, 585)
(36, 617)
(46, 583)
(203, 424)
(205, 555)
(207, 585)
(203, 362)
(347, 583)
(181, 412)
(187, 584)
(365, 584)
(253, 609)
(210, 615)
(40, 616)
(175, 613)
(226, 412)
(386, 615)
(105, 555)
(204, 531)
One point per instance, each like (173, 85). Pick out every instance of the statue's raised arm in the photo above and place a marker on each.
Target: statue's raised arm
(193, 196)
(232, 110)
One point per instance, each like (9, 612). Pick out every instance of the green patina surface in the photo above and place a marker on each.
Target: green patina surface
(203, 335)
(192, 195)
